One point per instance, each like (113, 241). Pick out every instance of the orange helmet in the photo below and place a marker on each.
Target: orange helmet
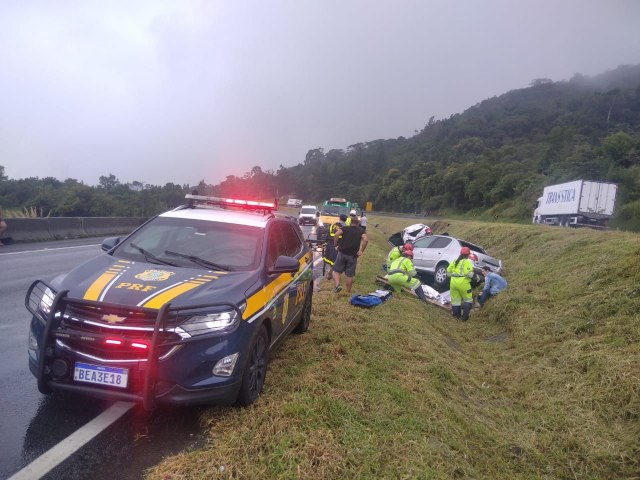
(465, 251)
(408, 249)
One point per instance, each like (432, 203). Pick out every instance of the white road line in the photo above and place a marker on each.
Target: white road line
(63, 450)
(49, 249)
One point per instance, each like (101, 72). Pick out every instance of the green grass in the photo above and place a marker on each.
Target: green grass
(404, 391)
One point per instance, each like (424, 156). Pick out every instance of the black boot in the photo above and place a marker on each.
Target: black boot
(466, 309)
(456, 310)
(420, 293)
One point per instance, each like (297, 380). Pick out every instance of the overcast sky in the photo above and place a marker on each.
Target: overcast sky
(182, 91)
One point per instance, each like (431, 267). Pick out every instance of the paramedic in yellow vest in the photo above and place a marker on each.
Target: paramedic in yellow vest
(461, 273)
(395, 252)
(402, 273)
(330, 251)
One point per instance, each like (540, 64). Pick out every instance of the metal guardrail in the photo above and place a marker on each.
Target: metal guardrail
(57, 228)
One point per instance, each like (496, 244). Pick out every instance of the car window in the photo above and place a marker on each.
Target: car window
(291, 242)
(440, 242)
(308, 210)
(473, 247)
(236, 246)
(283, 240)
(423, 242)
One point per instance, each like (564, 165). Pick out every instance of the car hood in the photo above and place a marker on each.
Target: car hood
(112, 280)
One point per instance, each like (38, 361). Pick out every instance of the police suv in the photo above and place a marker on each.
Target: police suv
(184, 310)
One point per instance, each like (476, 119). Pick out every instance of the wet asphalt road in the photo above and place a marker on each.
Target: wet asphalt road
(31, 423)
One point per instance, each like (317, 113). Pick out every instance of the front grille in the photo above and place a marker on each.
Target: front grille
(86, 328)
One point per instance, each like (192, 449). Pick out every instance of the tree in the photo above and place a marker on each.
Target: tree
(109, 183)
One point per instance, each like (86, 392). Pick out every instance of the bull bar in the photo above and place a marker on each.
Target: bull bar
(52, 320)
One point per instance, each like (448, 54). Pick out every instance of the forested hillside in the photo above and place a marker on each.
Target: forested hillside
(490, 161)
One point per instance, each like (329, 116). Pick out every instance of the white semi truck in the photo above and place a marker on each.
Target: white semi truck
(576, 204)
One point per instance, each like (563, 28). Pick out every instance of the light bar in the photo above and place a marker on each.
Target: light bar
(233, 202)
(143, 346)
(113, 342)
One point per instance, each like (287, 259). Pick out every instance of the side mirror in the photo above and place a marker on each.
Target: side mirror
(109, 243)
(285, 265)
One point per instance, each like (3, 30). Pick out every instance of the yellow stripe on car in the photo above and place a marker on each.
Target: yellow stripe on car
(96, 288)
(164, 297)
(261, 298)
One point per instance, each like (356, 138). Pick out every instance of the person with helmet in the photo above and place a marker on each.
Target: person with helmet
(330, 252)
(402, 273)
(352, 215)
(394, 253)
(461, 273)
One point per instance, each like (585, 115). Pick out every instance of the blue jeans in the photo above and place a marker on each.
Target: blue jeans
(484, 296)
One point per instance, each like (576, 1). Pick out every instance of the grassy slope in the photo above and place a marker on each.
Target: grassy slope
(403, 391)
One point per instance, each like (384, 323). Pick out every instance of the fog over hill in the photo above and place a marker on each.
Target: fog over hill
(492, 160)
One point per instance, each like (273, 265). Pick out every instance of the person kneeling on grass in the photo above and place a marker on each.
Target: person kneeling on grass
(493, 284)
(402, 273)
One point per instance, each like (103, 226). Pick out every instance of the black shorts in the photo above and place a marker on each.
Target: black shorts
(345, 264)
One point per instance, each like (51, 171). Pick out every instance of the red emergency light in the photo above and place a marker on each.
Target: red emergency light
(235, 202)
(112, 341)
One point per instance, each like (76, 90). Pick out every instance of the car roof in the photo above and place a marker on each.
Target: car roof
(217, 214)
(464, 243)
(309, 206)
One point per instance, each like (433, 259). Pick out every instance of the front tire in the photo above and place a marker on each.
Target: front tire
(440, 274)
(255, 370)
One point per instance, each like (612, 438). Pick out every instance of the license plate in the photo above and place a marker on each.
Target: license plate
(110, 376)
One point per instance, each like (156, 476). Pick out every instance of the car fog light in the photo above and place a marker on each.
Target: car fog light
(225, 366)
(33, 341)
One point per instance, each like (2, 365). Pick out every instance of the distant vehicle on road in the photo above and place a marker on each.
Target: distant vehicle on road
(294, 202)
(184, 310)
(332, 209)
(576, 204)
(308, 215)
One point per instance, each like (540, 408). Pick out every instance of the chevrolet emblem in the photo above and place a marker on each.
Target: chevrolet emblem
(113, 319)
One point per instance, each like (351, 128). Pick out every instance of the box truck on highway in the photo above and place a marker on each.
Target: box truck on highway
(576, 204)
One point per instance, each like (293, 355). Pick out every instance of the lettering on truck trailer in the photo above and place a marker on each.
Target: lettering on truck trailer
(561, 196)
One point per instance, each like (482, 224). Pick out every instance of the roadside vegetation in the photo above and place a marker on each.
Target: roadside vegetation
(490, 162)
(542, 383)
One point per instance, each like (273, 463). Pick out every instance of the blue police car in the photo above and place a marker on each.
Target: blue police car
(184, 310)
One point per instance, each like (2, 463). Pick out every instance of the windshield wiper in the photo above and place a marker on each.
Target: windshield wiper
(198, 260)
(150, 256)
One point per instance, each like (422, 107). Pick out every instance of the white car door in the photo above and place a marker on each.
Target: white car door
(436, 251)
(420, 248)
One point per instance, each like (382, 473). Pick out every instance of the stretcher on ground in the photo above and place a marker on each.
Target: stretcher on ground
(444, 306)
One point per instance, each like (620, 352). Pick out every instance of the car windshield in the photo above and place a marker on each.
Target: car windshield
(308, 210)
(195, 244)
(334, 210)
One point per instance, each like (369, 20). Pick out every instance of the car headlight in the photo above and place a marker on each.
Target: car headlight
(46, 301)
(209, 323)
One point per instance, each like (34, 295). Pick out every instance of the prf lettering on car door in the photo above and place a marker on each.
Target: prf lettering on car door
(300, 293)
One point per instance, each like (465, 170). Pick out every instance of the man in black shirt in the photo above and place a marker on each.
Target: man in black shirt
(351, 242)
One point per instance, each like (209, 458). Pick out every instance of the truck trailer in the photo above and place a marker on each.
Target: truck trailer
(576, 204)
